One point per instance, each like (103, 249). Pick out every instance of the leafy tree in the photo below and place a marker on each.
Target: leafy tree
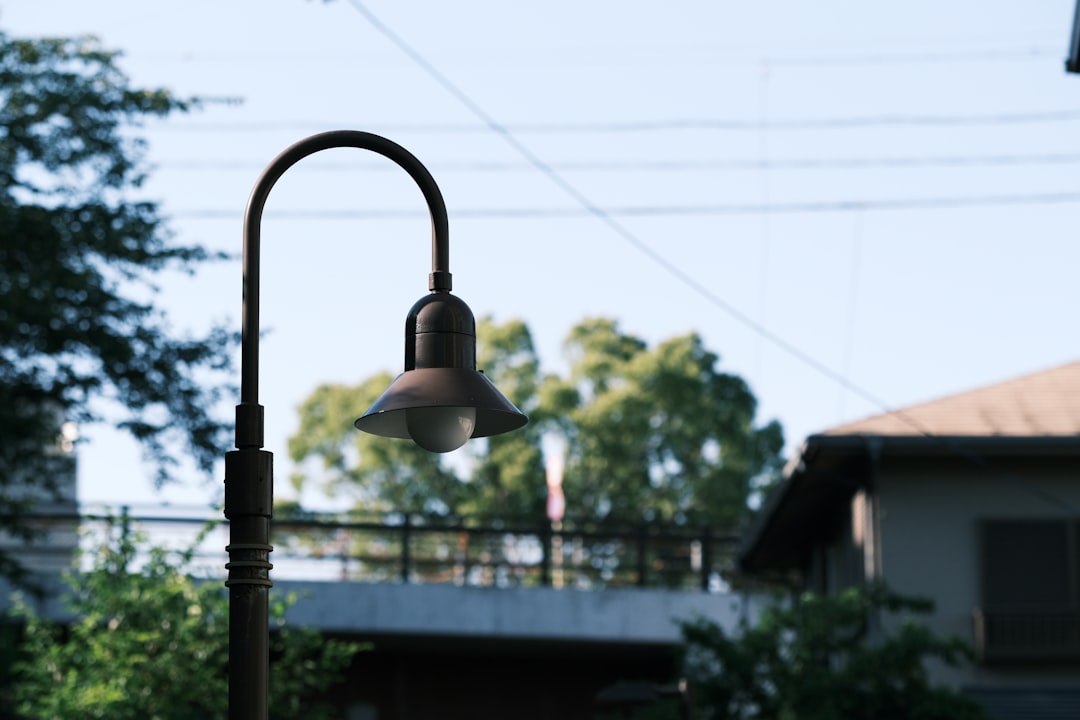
(860, 654)
(652, 433)
(380, 475)
(398, 476)
(658, 434)
(149, 641)
(79, 334)
(504, 477)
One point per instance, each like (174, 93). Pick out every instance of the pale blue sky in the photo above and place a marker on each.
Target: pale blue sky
(891, 189)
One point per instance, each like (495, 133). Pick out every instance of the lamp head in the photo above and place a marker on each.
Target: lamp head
(441, 400)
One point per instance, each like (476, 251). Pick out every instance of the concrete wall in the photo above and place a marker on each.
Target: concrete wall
(604, 616)
(928, 522)
(442, 652)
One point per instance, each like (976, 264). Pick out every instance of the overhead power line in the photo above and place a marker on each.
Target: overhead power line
(661, 125)
(701, 54)
(939, 203)
(618, 228)
(833, 163)
(915, 57)
(687, 279)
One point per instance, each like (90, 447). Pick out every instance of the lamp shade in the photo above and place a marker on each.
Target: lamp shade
(441, 388)
(441, 400)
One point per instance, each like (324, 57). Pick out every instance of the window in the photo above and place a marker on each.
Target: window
(1030, 591)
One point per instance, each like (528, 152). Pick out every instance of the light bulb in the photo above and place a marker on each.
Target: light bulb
(440, 429)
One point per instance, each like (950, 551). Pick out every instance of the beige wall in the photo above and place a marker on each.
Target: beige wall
(928, 522)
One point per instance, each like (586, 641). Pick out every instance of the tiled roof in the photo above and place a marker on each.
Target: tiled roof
(1043, 403)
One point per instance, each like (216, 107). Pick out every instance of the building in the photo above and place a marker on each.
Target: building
(51, 512)
(442, 651)
(972, 500)
(503, 642)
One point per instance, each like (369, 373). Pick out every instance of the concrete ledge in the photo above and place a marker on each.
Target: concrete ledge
(374, 609)
(631, 616)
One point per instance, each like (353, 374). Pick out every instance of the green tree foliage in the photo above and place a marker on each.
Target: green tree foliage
(506, 476)
(399, 476)
(380, 475)
(658, 431)
(861, 654)
(652, 434)
(79, 334)
(149, 641)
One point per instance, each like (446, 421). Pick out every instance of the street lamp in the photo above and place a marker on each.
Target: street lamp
(439, 401)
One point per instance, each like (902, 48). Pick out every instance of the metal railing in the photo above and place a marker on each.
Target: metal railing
(1028, 634)
(415, 548)
(467, 551)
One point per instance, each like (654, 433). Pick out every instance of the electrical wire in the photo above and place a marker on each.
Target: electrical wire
(791, 61)
(622, 231)
(834, 163)
(853, 301)
(920, 58)
(608, 214)
(590, 208)
(662, 125)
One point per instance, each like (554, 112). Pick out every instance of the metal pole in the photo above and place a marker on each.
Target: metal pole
(706, 557)
(545, 557)
(406, 560)
(249, 490)
(642, 549)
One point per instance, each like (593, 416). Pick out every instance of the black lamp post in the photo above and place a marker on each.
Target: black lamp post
(439, 401)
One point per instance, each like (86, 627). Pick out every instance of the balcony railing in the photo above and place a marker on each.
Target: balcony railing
(399, 547)
(1028, 634)
(475, 551)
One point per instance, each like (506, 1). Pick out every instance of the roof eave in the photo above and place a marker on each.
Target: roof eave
(834, 448)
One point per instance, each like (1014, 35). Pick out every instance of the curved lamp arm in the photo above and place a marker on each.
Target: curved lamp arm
(439, 401)
(249, 427)
(249, 495)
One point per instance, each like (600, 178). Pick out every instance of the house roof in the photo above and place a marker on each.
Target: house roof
(1033, 415)
(1039, 404)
